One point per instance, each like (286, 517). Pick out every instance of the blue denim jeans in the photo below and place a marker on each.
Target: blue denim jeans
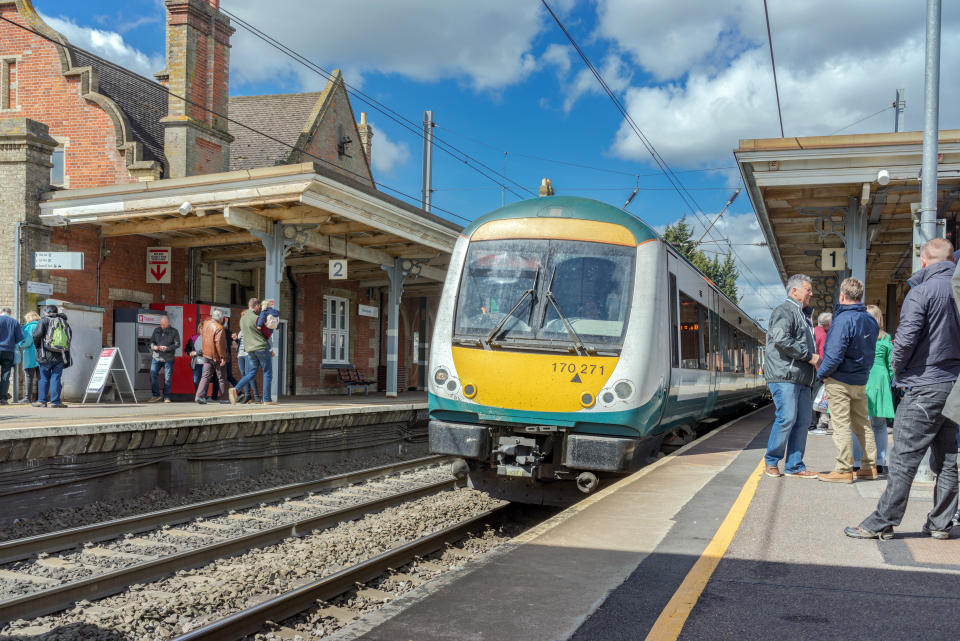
(155, 367)
(255, 361)
(50, 384)
(251, 387)
(788, 436)
(879, 426)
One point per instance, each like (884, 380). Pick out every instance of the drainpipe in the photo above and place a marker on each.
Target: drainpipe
(293, 330)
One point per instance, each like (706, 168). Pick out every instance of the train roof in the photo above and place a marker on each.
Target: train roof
(567, 207)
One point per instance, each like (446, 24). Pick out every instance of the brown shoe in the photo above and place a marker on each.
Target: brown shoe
(802, 474)
(836, 477)
(867, 473)
(772, 470)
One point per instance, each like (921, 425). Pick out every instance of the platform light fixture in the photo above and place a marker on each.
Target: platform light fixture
(883, 177)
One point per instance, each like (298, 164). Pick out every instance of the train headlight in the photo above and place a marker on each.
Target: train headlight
(441, 376)
(623, 390)
(607, 397)
(452, 385)
(469, 390)
(587, 399)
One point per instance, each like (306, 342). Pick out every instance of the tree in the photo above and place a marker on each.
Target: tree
(723, 274)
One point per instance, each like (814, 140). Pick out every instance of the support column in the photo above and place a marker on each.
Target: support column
(855, 240)
(395, 275)
(275, 249)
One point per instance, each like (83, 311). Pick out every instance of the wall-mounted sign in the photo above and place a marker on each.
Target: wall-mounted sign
(158, 265)
(367, 310)
(58, 260)
(833, 259)
(44, 289)
(338, 269)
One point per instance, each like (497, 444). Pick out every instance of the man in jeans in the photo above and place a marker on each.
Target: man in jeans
(10, 336)
(259, 354)
(164, 343)
(51, 359)
(847, 359)
(926, 362)
(214, 346)
(790, 369)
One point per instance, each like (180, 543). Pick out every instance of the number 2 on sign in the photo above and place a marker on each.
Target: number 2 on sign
(572, 368)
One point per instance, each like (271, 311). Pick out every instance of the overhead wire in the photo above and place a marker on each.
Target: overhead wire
(401, 120)
(773, 65)
(876, 113)
(665, 168)
(234, 121)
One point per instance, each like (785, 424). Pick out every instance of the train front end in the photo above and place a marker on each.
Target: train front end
(538, 371)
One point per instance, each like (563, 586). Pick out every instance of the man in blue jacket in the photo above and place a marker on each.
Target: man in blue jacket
(10, 335)
(847, 359)
(926, 362)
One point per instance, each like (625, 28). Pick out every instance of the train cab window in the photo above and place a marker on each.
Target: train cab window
(691, 334)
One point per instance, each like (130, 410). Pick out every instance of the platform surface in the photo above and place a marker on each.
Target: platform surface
(607, 568)
(25, 421)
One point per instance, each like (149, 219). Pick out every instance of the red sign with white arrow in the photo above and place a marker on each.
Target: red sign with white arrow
(158, 265)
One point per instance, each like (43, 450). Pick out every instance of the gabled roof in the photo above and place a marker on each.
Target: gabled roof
(281, 116)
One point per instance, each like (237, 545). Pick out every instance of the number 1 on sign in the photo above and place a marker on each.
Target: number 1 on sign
(833, 259)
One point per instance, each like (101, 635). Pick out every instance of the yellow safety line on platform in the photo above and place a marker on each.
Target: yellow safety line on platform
(670, 623)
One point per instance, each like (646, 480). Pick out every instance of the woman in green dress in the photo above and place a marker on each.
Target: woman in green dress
(879, 393)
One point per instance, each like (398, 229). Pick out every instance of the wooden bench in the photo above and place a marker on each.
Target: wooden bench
(350, 378)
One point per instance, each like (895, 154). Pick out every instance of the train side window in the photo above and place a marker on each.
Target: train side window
(691, 354)
(674, 325)
(726, 345)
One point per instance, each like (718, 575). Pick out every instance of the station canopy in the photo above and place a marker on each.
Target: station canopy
(227, 216)
(856, 193)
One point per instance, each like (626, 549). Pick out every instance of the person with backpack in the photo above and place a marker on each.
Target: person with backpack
(10, 336)
(51, 338)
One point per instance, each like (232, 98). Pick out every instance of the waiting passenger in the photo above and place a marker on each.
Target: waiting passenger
(789, 369)
(879, 394)
(822, 424)
(847, 360)
(926, 361)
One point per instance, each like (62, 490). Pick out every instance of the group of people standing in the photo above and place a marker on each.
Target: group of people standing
(211, 353)
(858, 364)
(42, 346)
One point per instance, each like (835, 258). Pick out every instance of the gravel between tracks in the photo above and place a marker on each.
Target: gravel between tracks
(190, 598)
(64, 518)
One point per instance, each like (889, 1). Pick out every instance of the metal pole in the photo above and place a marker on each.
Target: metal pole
(899, 104)
(427, 192)
(931, 117)
(18, 255)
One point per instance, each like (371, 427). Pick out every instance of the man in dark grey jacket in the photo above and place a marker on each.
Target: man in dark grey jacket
(790, 360)
(926, 362)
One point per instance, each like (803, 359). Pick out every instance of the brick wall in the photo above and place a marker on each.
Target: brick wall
(338, 121)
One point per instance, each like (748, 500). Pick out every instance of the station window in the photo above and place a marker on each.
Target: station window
(57, 173)
(336, 330)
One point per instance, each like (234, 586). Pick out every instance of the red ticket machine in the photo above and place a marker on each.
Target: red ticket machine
(184, 318)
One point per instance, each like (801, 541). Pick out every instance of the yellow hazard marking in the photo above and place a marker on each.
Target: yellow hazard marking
(559, 228)
(671, 621)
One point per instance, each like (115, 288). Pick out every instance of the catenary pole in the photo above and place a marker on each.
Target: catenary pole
(931, 116)
(899, 104)
(427, 192)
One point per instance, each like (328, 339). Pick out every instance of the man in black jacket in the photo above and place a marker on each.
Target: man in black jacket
(52, 357)
(926, 362)
(164, 343)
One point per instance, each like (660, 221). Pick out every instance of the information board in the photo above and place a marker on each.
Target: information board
(44, 289)
(109, 368)
(58, 260)
(158, 265)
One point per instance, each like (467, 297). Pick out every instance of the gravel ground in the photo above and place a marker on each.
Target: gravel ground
(19, 578)
(191, 598)
(64, 518)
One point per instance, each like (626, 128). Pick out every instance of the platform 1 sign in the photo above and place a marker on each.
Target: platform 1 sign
(833, 259)
(158, 265)
(109, 367)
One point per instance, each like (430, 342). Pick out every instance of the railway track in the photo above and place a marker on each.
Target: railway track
(293, 602)
(147, 547)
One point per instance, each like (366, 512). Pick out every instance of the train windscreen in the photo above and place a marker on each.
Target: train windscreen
(542, 291)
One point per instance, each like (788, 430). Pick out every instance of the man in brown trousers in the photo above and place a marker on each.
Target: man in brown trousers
(214, 341)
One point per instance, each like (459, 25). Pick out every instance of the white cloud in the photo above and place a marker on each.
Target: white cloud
(386, 155)
(488, 45)
(613, 71)
(106, 44)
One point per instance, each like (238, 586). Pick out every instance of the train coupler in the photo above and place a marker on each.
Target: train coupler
(518, 456)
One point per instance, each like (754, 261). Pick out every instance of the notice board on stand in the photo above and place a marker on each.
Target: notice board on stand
(110, 370)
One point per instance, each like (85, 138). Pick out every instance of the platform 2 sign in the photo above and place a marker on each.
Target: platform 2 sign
(109, 368)
(158, 265)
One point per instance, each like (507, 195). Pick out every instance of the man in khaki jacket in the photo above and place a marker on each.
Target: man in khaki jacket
(214, 341)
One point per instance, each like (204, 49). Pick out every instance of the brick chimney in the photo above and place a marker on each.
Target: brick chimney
(196, 139)
(366, 135)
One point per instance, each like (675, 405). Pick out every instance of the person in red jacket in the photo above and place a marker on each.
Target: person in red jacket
(821, 423)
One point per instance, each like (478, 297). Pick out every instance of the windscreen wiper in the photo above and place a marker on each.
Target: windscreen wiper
(503, 321)
(577, 343)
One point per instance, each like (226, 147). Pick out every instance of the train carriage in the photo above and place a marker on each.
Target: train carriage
(569, 341)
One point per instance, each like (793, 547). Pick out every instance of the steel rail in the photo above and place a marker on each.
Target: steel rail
(17, 549)
(62, 596)
(288, 604)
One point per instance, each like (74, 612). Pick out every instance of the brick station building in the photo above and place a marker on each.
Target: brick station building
(98, 160)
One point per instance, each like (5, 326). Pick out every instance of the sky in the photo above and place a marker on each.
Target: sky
(506, 87)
